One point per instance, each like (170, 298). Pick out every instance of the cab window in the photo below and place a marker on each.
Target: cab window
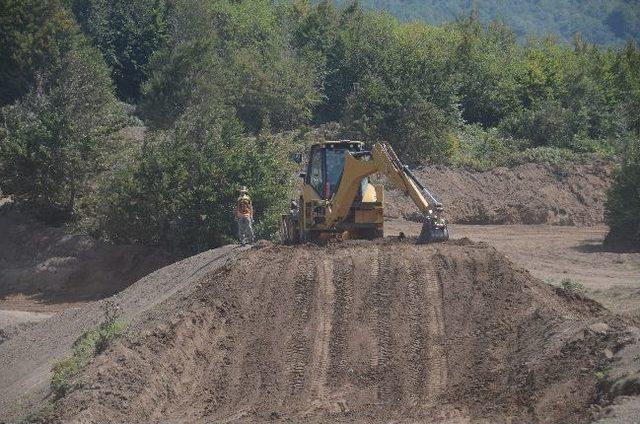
(335, 165)
(315, 171)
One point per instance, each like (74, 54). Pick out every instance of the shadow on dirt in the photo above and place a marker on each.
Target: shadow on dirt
(597, 246)
(48, 265)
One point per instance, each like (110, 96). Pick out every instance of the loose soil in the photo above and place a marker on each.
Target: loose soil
(46, 269)
(568, 194)
(549, 252)
(359, 331)
(27, 355)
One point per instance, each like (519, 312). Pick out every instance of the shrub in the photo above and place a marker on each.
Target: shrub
(543, 155)
(233, 53)
(180, 190)
(90, 344)
(570, 285)
(51, 140)
(35, 34)
(623, 200)
(126, 32)
(482, 149)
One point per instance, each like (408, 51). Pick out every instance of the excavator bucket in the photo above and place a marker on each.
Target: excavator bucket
(433, 232)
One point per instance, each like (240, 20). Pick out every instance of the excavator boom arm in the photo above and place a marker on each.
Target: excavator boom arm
(403, 179)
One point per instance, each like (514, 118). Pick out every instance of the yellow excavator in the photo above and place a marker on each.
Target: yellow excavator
(339, 202)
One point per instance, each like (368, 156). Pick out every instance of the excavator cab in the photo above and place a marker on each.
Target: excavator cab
(338, 200)
(326, 163)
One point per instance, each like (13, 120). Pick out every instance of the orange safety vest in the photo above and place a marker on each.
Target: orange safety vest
(244, 208)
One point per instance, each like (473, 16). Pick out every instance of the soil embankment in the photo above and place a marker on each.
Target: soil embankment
(46, 269)
(27, 356)
(359, 331)
(570, 194)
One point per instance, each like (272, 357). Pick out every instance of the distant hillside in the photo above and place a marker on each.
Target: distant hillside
(609, 22)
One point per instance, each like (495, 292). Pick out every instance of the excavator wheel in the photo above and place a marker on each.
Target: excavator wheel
(431, 233)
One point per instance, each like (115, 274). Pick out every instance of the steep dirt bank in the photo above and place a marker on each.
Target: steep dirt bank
(570, 194)
(26, 357)
(43, 266)
(360, 331)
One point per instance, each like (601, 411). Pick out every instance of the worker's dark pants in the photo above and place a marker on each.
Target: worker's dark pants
(245, 230)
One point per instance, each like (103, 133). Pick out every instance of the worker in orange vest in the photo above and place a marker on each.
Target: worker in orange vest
(244, 217)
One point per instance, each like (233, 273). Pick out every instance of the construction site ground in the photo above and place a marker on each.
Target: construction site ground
(472, 330)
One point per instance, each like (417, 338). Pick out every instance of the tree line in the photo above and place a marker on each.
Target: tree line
(611, 22)
(227, 89)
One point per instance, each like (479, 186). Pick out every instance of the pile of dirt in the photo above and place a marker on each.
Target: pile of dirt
(569, 194)
(359, 331)
(50, 266)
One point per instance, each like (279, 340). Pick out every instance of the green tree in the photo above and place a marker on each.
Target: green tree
(127, 33)
(236, 53)
(33, 33)
(488, 64)
(398, 85)
(180, 190)
(51, 140)
(623, 200)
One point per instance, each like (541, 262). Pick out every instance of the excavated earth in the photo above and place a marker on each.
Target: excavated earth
(358, 331)
(566, 194)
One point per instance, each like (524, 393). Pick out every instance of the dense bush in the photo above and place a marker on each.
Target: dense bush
(608, 22)
(235, 53)
(32, 32)
(127, 33)
(623, 201)
(180, 189)
(52, 138)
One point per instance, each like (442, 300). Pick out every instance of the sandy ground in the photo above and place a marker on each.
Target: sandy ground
(569, 194)
(551, 253)
(8, 318)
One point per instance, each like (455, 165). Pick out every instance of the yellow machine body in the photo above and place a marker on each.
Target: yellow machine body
(338, 201)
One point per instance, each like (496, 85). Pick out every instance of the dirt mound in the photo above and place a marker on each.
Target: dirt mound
(570, 194)
(50, 266)
(360, 331)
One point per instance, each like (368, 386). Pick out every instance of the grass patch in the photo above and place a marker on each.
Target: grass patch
(482, 149)
(90, 344)
(603, 372)
(572, 286)
(40, 415)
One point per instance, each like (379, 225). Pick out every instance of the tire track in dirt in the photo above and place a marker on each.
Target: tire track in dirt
(254, 357)
(383, 328)
(417, 333)
(298, 351)
(342, 317)
(438, 364)
(355, 333)
(374, 275)
(321, 336)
